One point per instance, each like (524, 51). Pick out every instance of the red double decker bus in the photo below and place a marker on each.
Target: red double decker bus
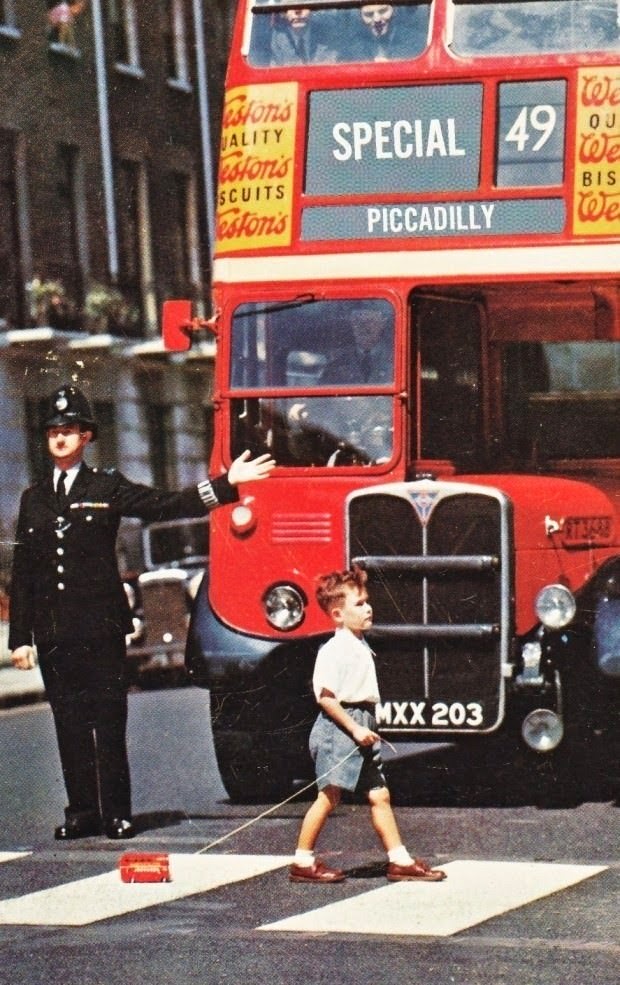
(416, 301)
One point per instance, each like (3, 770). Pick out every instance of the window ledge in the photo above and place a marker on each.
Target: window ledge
(180, 85)
(132, 71)
(10, 33)
(21, 341)
(67, 50)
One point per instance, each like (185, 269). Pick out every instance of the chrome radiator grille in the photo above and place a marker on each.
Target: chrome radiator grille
(438, 560)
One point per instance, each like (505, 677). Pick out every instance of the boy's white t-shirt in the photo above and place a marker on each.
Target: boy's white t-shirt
(345, 666)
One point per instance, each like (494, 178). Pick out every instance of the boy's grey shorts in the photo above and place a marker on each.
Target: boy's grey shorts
(329, 745)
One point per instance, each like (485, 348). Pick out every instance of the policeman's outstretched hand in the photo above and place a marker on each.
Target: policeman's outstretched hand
(246, 469)
(23, 658)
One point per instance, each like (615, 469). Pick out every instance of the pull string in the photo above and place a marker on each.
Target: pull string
(271, 810)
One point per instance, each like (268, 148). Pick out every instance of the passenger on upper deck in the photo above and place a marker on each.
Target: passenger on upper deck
(296, 39)
(383, 32)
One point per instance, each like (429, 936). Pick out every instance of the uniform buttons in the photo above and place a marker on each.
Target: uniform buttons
(89, 517)
(60, 569)
(61, 585)
(60, 550)
(59, 534)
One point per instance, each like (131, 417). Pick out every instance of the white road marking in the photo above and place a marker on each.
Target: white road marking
(101, 897)
(473, 892)
(9, 856)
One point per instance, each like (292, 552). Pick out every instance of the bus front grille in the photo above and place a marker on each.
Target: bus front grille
(437, 557)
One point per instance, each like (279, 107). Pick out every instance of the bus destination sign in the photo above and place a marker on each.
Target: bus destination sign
(408, 139)
(385, 221)
(420, 140)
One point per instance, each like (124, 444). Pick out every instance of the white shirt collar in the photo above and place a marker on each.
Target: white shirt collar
(70, 473)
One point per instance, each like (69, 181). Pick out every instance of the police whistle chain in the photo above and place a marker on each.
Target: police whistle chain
(270, 810)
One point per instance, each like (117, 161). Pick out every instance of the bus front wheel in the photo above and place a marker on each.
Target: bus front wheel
(253, 769)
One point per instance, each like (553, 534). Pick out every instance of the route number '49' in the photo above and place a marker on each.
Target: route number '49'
(540, 119)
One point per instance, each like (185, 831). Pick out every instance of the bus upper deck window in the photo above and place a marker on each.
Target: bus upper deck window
(528, 27)
(323, 33)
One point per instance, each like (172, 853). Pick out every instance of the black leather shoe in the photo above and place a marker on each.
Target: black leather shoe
(77, 828)
(119, 828)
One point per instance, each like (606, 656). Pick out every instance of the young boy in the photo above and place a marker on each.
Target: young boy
(344, 743)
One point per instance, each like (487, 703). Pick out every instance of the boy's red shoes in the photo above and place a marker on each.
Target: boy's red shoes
(317, 872)
(417, 871)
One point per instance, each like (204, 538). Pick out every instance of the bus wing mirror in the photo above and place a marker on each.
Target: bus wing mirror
(178, 325)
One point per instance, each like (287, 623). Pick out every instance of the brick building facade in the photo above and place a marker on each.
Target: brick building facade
(109, 115)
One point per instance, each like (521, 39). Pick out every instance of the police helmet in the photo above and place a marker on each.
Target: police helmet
(68, 405)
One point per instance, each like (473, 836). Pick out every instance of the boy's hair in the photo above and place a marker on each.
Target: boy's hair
(331, 589)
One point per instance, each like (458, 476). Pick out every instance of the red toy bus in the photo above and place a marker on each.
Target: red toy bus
(417, 306)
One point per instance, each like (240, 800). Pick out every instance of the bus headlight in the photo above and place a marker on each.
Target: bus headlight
(542, 730)
(555, 606)
(284, 607)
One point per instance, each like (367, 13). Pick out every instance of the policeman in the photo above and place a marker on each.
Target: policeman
(67, 598)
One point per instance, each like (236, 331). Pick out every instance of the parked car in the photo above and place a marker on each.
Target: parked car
(174, 554)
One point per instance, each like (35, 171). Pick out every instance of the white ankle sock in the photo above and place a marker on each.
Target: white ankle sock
(400, 856)
(304, 858)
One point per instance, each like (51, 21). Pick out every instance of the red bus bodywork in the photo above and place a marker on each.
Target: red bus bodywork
(499, 473)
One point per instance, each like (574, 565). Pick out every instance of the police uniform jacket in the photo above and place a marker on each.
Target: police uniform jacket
(65, 583)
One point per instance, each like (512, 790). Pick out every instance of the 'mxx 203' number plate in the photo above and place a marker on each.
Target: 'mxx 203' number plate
(440, 715)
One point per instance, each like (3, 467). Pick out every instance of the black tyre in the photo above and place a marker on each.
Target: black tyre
(256, 769)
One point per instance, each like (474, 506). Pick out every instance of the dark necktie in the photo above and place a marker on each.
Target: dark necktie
(61, 491)
(302, 49)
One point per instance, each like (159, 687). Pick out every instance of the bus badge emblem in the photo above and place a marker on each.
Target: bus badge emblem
(424, 503)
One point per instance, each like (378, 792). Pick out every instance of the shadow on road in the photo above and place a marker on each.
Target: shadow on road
(474, 778)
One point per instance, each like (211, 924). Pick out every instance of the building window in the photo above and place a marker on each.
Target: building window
(62, 21)
(103, 453)
(69, 256)
(133, 241)
(184, 237)
(35, 437)
(11, 313)
(159, 421)
(123, 18)
(176, 43)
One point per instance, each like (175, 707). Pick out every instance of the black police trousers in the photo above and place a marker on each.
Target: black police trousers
(85, 683)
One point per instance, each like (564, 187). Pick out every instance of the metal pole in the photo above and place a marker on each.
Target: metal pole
(205, 121)
(105, 140)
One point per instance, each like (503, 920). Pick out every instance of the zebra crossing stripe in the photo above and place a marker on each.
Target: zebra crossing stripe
(101, 897)
(10, 856)
(474, 891)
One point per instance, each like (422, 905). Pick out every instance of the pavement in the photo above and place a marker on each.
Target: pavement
(20, 687)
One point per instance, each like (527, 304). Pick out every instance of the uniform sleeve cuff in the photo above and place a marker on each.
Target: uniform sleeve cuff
(207, 494)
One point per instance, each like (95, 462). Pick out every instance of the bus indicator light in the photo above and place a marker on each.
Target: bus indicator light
(242, 518)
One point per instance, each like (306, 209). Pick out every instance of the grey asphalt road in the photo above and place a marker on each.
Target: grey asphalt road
(215, 937)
